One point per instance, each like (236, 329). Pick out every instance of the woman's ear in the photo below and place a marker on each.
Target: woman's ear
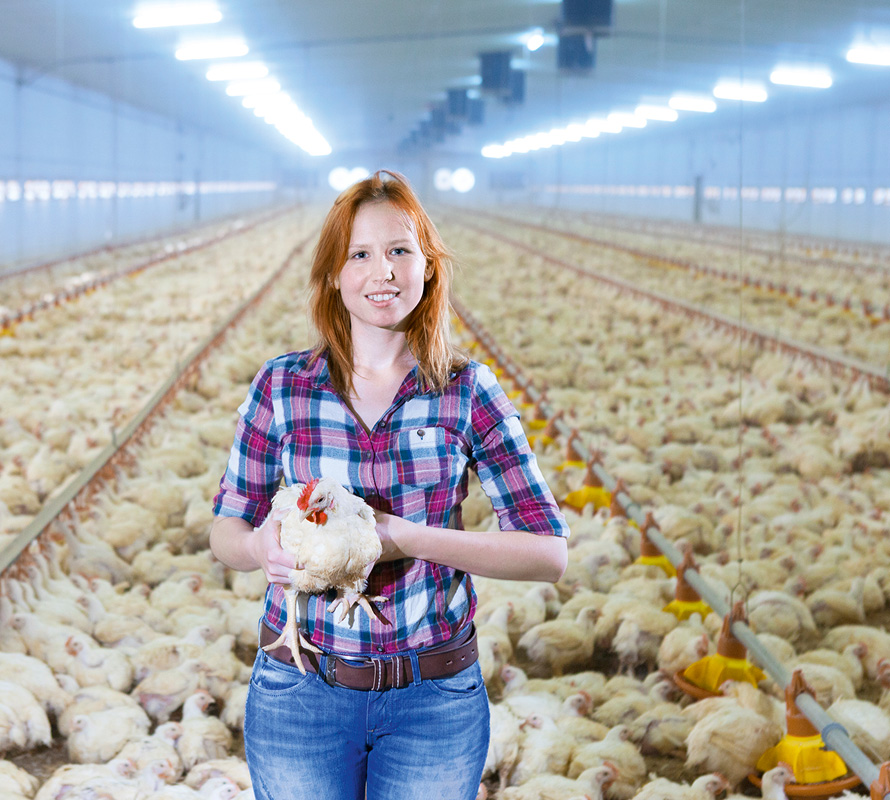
(334, 282)
(428, 273)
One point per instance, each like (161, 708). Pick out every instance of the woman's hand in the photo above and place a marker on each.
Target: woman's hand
(391, 531)
(275, 563)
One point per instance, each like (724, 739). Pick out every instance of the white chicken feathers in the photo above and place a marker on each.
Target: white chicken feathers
(332, 534)
(333, 537)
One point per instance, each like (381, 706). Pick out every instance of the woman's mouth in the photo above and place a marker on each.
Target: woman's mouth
(382, 297)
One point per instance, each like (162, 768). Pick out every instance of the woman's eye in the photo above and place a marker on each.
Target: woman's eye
(399, 251)
(359, 255)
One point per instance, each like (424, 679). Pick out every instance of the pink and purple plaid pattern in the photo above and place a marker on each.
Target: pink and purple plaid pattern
(414, 463)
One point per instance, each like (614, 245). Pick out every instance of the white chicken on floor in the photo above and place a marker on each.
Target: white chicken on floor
(203, 737)
(15, 782)
(589, 784)
(23, 722)
(333, 538)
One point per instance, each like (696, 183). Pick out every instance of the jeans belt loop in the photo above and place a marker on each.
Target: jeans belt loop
(398, 672)
(415, 667)
(379, 684)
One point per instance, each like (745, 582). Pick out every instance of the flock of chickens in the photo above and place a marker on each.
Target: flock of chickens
(119, 634)
(111, 349)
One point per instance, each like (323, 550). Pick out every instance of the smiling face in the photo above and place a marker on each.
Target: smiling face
(382, 281)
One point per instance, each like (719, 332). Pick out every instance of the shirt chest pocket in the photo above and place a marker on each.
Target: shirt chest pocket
(422, 458)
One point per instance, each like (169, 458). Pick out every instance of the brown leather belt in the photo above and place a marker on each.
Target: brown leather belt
(380, 674)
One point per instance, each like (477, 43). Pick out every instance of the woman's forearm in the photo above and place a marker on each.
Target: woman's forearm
(231, 541)
(510, 555)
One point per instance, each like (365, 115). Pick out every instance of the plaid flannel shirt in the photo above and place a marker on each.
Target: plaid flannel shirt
(413, 464)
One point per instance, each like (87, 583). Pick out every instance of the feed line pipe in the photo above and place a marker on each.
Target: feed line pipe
(102, 465)
(833, 733)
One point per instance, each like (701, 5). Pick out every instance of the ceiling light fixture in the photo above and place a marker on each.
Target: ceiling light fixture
(534, 40)
(873, 54)
(662, 113)
(690, 102)
(626, 120)
(253, 88)
(808, 77)
(213, 48)
(462, 180)
(740, 90)
(494, 151)
(168, 15)
(237, 71)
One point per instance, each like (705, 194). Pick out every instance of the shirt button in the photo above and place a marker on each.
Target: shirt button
(379, 648)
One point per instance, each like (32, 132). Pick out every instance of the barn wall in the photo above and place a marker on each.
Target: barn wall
(78, 170)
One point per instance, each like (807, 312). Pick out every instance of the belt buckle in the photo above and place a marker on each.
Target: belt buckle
(330, 671)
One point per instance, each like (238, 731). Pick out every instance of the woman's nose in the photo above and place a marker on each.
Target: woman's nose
(381, 269)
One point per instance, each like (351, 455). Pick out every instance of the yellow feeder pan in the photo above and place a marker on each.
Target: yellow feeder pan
(591, 492)
(549, 432)
(704, 677)
(686, 601)
(818, 773)
(650, 555)
(539, 419)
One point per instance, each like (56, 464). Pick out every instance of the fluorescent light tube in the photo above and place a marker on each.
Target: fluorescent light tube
(258, 87)
(172, 14)
(876, 55)
(237, 71)
(662, 113)
(690, 102)
(809, 77)
(213, 48)
(735, 90)
(626, 120)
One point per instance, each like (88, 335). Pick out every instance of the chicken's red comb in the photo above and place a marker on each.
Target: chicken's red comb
(303, 500)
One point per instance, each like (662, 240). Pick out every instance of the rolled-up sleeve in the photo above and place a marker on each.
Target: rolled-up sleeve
(508, 469)
(254, 469)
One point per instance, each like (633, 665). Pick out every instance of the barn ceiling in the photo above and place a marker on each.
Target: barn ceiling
(369, 72)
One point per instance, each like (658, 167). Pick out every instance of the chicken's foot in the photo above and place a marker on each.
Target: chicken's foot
(346, 601)
(290, 634)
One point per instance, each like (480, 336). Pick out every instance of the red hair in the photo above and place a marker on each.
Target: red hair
(428, 330)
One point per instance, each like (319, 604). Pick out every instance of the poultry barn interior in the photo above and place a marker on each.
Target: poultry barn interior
(671, 227)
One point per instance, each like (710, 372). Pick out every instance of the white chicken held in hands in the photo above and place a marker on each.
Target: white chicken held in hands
(333, 538)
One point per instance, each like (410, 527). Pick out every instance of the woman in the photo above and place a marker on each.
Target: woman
(388, 407)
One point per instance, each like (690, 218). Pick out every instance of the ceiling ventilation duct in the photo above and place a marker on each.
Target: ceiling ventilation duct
(586, 14)
(495, 71)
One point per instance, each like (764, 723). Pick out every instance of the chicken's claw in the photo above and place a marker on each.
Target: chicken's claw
(346, 601)
(290, 634)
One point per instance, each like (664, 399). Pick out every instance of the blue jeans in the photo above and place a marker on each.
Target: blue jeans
(306, 740)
